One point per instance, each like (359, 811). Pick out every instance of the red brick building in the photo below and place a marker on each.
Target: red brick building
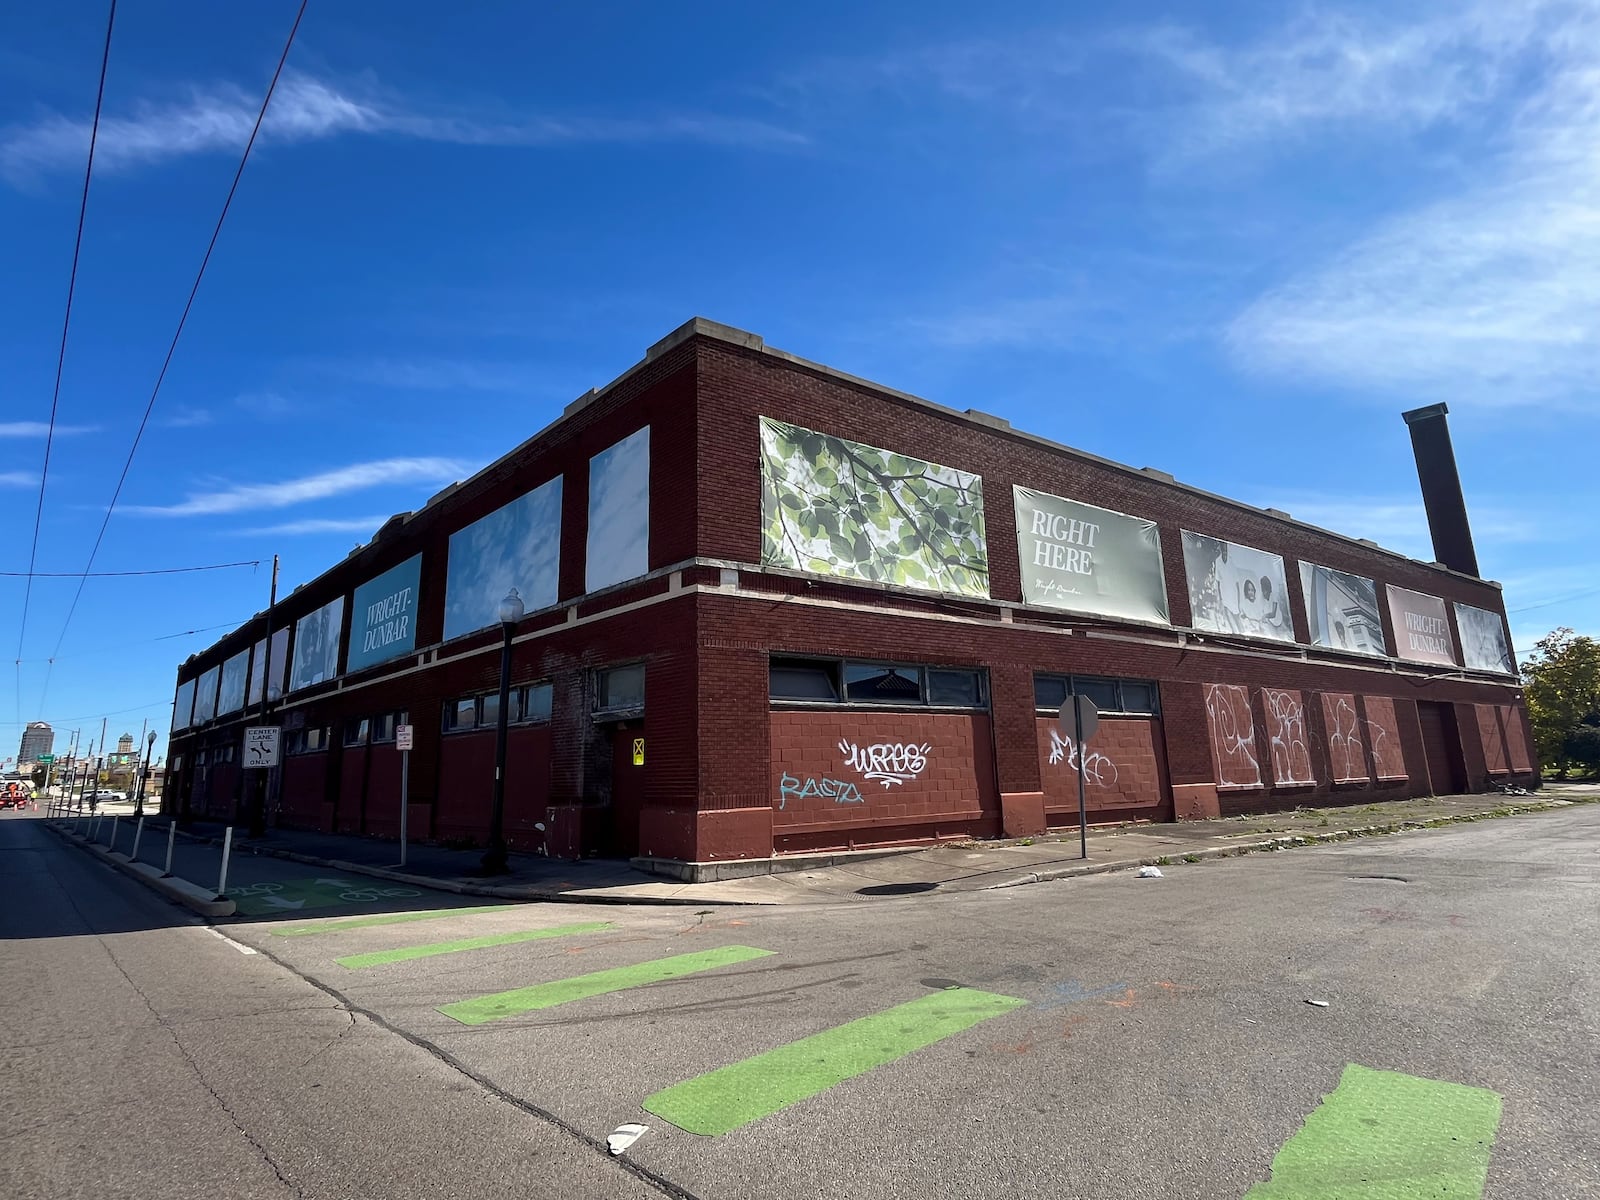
(772, 607)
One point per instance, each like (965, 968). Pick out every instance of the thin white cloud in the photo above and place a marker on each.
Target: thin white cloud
(317, 525)
(1401, 523)
(183, 417)
(39, 429)
(1490, 295)
(357, 477)
(18, 479)
(219, 118)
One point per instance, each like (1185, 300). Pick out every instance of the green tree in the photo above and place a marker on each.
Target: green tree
(1562, 683)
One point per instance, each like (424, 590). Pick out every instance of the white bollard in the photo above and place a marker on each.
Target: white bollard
(138, 832)
(172, 832)
(227, 848)
(112, 844)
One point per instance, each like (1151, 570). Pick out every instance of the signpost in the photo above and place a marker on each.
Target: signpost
(1085, 720)
(261, 746)
(402, 741)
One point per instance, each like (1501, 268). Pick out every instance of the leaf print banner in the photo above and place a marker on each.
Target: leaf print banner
(837, 507)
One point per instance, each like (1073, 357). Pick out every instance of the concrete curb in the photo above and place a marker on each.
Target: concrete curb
(1287, 842)
(193, 897)
(529, 892)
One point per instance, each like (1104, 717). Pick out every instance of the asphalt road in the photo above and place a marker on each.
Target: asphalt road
(1118, 1037)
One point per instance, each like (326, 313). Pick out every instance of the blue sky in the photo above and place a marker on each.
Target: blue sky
(1232, 241)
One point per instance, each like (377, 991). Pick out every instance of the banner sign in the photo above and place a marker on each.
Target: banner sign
(316, 645)
(231, 697)
(1342, 610)
(205, 697)
(619, 512)
(1236, 589)
(1483, 640)
(183, 706)
(1421, 628)
(518, 545)
(836, 507)
(383, 616)
(1086, 559)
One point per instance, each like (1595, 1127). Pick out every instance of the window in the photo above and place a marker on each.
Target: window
(532, 703)
(817, 681)
(800, 679)
(955, 689)
(383, 725)
(307, 741)
(489, 710)
(225, 754)
(882, 683)
(356, 731)
(461, 714)
(620, 688)
(1139, 697)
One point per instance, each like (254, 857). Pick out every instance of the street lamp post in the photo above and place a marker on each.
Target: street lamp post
(138, 803)
(494, 858)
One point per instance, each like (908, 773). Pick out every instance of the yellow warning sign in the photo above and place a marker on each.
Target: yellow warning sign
(638, 752)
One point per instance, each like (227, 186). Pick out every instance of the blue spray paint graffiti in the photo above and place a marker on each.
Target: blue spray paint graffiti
(840, 791)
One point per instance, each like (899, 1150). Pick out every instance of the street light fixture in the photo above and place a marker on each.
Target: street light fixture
(494, 858)
(138, 804)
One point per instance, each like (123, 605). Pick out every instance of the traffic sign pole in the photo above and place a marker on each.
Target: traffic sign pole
(1083, 807)
(402, 740)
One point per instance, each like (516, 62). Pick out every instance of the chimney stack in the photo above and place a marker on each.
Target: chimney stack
(1441, 488)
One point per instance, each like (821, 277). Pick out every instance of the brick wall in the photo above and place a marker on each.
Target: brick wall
(940, 776)
(1124, 777)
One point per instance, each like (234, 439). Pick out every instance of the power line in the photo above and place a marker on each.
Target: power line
(255, 562)
(125, 643)
(61, 354)
(178, 333)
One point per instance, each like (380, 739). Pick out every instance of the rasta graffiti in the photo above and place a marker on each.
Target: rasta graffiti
(1097, 768)
(840, 791)
(886, 762)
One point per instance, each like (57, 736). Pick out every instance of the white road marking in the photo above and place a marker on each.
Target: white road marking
(239, 946)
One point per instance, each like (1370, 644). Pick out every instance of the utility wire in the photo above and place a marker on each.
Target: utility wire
(255, 562)
(178, 333)
(61, 354)
(124, 644)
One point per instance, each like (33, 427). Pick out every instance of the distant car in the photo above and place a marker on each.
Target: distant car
(106, 795)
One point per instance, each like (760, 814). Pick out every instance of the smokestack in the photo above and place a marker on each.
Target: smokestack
(1441, 488)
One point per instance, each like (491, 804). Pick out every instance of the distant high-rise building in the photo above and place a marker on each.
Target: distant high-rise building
(37, 738)
(125, 744)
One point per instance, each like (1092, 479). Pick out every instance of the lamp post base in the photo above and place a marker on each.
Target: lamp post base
(494, 860)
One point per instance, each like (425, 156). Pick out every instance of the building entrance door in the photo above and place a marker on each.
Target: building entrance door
(627, 786)
(1441, 742)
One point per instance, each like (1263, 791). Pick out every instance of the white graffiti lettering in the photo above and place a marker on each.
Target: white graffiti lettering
(886, 762)
(1097, 768)
(840, 791)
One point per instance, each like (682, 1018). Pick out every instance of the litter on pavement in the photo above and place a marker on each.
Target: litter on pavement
(624, 1136)
(1318, 1003)
(1149, 872)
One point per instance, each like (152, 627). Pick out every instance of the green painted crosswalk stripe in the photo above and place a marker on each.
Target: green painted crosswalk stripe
(547, 995)
(378, 957)
(724, 1099)
(1381, 1134)
(387, 919)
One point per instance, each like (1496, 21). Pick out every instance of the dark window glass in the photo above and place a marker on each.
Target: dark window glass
(316, 739)
(799, 679)
(871, 683)
(356, 731)
(1049, 691)
(461, 714)
(1139, 697)
(489, 709)
(177, 762)
(620, 688)
(1102, 691)
(535, 703)
(383, 727)
(963, 688)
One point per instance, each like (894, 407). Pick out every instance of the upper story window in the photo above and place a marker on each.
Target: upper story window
(530, 705)
(356, 731)
(619, 689)
(1137, 697)
(831, 681)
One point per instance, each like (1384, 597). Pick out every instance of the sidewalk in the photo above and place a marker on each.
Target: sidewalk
(865, 875)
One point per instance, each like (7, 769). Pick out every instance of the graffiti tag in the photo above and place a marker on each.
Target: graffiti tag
(887, 762)
(840, 791)
(1097, 768)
